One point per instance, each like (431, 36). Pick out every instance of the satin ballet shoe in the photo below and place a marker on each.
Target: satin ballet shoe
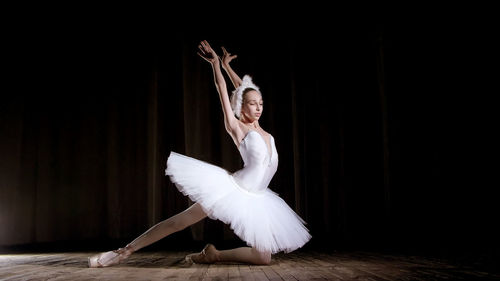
(207, 255)
(110, 258)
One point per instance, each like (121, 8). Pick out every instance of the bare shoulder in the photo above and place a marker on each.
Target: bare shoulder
(267, 134)
(237, 132)
(264, 133)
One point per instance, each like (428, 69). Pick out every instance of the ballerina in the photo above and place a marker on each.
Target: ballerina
(241, 199)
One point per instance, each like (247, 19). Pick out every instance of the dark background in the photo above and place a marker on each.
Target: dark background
(383, 129)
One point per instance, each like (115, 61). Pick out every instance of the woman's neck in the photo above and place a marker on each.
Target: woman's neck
(254, 124)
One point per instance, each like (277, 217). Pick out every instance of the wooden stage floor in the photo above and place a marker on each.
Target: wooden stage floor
(299, 265)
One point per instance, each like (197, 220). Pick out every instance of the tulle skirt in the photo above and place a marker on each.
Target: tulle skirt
(263, 220)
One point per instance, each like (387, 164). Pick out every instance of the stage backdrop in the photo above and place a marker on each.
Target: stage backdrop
(372, 150)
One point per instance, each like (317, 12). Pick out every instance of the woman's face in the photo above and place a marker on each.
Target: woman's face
(252, 105)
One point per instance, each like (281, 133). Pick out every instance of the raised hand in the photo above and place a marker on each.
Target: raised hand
(207, 53)
(227, 57)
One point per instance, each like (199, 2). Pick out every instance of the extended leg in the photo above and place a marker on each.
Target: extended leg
(173, 224)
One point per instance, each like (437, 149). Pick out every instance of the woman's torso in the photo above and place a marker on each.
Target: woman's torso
(260, 161)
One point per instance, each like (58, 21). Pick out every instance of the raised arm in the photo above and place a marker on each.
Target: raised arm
(207, 53)
(226, 59)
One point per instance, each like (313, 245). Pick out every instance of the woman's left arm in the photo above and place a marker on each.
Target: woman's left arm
(207, 53)
(226, 59)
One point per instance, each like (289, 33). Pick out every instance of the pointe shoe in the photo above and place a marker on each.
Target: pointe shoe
(110, 258)
(207, 255)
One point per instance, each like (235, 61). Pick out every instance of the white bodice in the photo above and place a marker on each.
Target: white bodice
(260, 164)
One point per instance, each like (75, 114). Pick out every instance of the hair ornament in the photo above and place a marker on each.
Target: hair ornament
(237, 95)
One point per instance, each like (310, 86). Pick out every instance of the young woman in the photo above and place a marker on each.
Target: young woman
(241, 199)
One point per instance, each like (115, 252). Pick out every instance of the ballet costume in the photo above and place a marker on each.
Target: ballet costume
(242, 199)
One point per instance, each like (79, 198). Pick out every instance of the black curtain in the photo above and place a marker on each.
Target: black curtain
(376, 149)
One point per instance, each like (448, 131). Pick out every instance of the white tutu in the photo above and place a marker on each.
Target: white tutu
(260, 218)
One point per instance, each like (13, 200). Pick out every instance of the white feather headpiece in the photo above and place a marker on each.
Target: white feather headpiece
(237, 96)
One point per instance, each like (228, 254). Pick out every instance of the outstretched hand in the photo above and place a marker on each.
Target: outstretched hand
(207, 53)
(227, 57)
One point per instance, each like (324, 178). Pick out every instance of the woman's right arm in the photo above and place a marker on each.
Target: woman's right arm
(207, 53)
(226, 59)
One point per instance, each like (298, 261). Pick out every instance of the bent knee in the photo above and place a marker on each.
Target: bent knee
(263, 258)
(266, 260)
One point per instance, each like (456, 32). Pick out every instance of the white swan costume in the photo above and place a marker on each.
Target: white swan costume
(243, 199)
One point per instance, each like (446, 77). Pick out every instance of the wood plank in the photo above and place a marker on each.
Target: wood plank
(291, 267)
(257, 273)
(199, 273)
(340, 265)
(282, 272)
(246, 273)
(234, 273)
(271, 274)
